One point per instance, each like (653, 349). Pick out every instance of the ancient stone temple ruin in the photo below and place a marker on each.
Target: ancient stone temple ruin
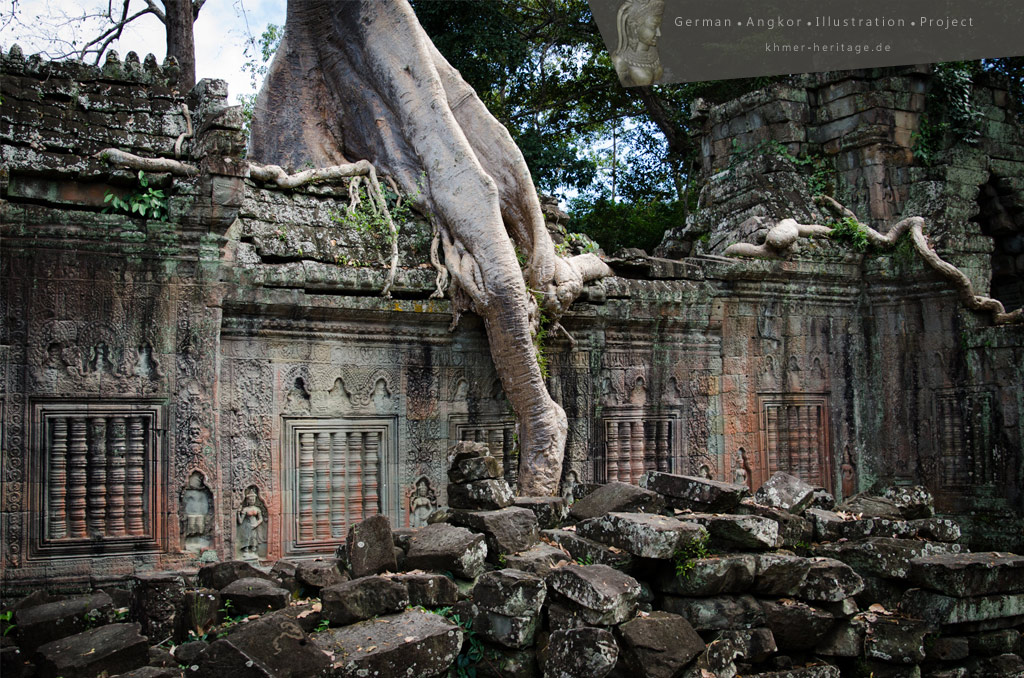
(219, 378)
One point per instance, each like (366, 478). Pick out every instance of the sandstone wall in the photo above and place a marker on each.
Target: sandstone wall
(229, 383)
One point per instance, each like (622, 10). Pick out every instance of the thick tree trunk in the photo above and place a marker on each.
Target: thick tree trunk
(178, 20)
(361, 80)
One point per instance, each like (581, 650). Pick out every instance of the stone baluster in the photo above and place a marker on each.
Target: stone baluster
(664, 450)
(97, 491)
(57, 525)
(636, 453)
(116, 476)
(307, 479)
(77, 478)
(611, 446)
(625, 451)
(371, 474)
(355, 477)
(338, 453)
(322, 504)
(136, 476)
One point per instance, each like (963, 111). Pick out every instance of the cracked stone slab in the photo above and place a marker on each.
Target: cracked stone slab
(444, 547)
(413, 643)
(642, 534)
(969, 574)
(883, 556)
(605, 595)
(786, 492)
(695, 493)
(738, 532)
(616, 497)
(732, 573)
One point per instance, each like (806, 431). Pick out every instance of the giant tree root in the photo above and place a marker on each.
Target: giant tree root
(362, 79)
(782, 236)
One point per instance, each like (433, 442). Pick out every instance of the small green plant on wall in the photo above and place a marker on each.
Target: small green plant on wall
(146, 202)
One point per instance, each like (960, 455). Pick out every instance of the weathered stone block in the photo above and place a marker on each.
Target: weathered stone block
(991, 643)
(219, 575)
(510, 592)
(831, 526)
(785, 492)
(936, 529)
(475, 468)
(254, 596)
(830, 580)
(448, 548)
(896, 640)
(642, 534)
(110, 649)
(507, 530)
(948, 649)
(796, 626)
(272, 646)
(814, 671)
(618, 497)
(716, 613)
(870, 507)
(754, 645)
(155, 601)
(605, 595)
(697, 494)
(711, 576)
(940, 609)
(363, 598)
(969, 574)
(912, 501)
(429, 590)
(413, 643)
(40, 624)
(480, 495)
(514, 632)
(508, 663)
(780, 574)
(539, 559)
(370, 547)
(316, 575)
(794, 531)
(579, 653)
(738, 532)
(589, 551)
(551, 512)
(659, 645)
(882, 556)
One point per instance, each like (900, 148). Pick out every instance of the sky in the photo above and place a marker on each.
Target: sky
(221, 32)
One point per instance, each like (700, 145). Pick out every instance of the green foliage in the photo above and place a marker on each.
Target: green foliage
(683, 558)
(538, 345)
(849, 231)
(323, 625)
(615, 225)
(370, 221)
(146, 202)
(258, 53)
(820, 173)
(6, 622)
(585, 560)
(472, 647)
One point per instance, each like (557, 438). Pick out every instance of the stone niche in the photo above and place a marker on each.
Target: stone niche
(227, 384)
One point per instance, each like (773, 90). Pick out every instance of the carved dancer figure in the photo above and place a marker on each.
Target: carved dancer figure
(250, 521)
(638, 27)
(422, 503)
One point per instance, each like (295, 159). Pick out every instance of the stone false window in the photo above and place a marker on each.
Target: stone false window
(964, 436)
(337, 473)
(498, 433)
(99, 467)
(794, 437)
(635, 444)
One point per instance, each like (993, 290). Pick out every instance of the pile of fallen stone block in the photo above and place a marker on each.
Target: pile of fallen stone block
(679, 577)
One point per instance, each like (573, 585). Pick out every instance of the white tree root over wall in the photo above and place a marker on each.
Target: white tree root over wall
(355, 172)
(783, 235)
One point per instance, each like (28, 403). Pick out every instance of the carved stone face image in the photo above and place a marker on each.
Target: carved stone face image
(638, 26)
(649, 30)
